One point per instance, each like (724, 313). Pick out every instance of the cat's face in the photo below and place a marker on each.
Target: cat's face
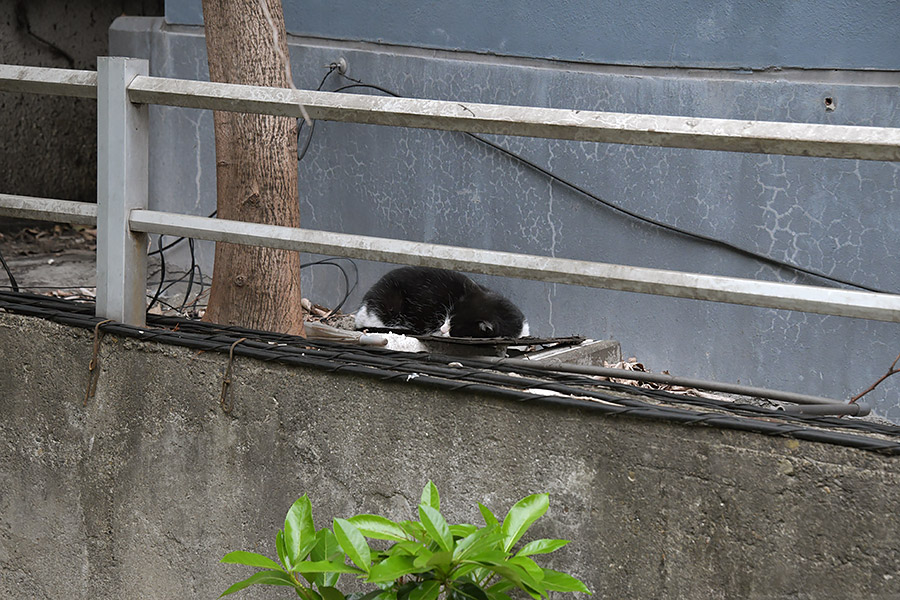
(487, 316)
(481, 328)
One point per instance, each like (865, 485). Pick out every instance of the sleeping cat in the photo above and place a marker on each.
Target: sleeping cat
(441, 302)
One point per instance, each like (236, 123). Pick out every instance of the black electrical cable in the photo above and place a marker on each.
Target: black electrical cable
(155, 299)
(24, 23)
(12, 280)
(301, 150)
(177, 240)
(194, 265)
(348, 289)
(190, 284)
(387, 365)
(162, 277)
(690, 234)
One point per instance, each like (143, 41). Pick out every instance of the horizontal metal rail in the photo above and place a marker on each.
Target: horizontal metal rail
(767, 137)
(815, 299)
(714, 134)
(730, 135)
(54, 82)
(48, 209)
(828, 301)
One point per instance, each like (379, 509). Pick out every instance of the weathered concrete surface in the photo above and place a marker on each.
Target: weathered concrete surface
(833, 216)
(141, 491)
(50, 142)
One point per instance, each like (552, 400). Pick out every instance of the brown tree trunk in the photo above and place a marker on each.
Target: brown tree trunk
(256, 169)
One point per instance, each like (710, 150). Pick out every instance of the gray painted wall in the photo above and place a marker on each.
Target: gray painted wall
(820, 34)
(141, 491)
(840, 217)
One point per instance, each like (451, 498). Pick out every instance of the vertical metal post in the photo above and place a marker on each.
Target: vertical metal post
(122, 185)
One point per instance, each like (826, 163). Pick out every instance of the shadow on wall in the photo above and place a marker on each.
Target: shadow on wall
(50, 143)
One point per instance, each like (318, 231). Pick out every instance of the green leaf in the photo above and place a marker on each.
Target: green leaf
(324, 566)
(251, 559)
(562, 582)
(489, 557)
(327, 547)
(463, 530)
(520, 517)
(497, 596)
(422, 557)
(478, 541)
(330, 593)
(436, 527)
(541, 547)
(404, 589)
(430, 496)
(467, 591)
(262, 577)
(353, 543)
(409, 547)
(441, 561)
(279, 547)
(391, 569)
(516, 574)
(328, 579)
(299, 532)
(461, 571)
(529, 566)
(487, 515)
(365, 596)
(413, 529)
(379, 528)
(501, 586)
(427, 590)
(307, 593)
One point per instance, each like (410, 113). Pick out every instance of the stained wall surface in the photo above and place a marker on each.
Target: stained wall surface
(138, 492)
(838, 217)
(49, 144)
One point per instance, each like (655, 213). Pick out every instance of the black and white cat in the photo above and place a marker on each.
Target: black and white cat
(441, 302)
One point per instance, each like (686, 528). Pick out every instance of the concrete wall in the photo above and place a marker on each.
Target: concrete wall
(139, 493)
(835, 216)
(829, 34)
(49, 144)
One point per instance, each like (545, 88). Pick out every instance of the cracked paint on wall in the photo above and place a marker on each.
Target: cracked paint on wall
(839, 217)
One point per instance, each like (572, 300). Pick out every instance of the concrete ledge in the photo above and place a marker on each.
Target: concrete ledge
(141, 491)
(589, 353)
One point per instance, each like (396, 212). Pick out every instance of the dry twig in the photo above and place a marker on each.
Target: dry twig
(892, 371)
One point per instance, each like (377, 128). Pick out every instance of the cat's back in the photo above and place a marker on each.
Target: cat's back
(416, 298)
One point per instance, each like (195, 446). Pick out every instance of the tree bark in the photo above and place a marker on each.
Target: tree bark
(256, 169)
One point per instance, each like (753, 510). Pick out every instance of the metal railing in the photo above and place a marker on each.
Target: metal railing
(123, 90)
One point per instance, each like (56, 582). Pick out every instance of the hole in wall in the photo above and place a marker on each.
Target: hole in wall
(830, 103)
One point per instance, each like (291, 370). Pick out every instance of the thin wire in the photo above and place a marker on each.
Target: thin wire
(177, 240)
(698, 236)
(12, 280)
(190, 284)
(23, 22)
(162, 277)
(348, 289)
(301, 152)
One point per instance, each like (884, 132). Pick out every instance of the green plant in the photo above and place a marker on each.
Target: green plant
(426, 559)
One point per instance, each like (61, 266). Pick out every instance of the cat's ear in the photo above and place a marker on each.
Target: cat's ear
(486, 326)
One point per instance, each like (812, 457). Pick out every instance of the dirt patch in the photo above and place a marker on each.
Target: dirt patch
(24, 238)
